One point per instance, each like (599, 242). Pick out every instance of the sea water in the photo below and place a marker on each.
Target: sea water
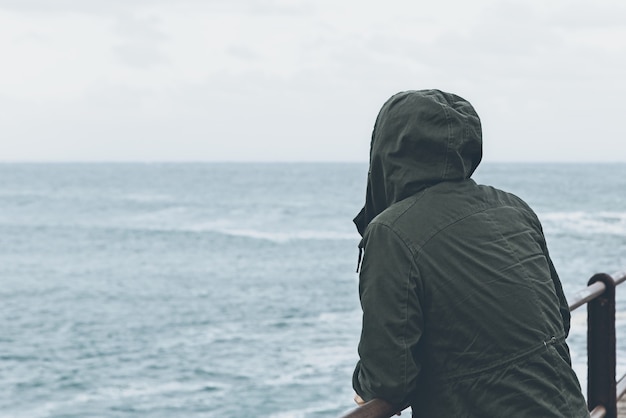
(227, 290)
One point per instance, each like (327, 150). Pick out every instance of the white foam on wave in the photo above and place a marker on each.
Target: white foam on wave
(110, 393)
(340, 317)
(317, 409)
(579, 319)
(146, 197)
(602, 222)
(163, 219)
(228, 227)
(184, 219)
(133, 391)
(282, 237)
(316, 363)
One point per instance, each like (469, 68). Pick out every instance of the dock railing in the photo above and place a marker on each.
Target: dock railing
(603, 391)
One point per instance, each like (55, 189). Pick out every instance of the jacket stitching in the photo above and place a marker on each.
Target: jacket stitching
(500, 364)
(406, 350)
(445, 163)
(417, 251)
(526, 273)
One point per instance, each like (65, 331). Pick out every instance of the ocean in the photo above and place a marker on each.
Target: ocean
(227, 290)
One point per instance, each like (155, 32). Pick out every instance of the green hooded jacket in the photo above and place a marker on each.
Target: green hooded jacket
(463, 312)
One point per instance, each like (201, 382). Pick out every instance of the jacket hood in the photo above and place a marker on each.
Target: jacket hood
(420, 138)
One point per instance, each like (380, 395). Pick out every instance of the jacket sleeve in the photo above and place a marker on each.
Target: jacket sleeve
(558, 287)
(392, 319)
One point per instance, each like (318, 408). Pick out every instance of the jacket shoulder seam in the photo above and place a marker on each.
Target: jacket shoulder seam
(480, 209)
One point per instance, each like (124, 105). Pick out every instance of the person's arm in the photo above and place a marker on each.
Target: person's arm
(563, 305)
(392, 320)
(558, 287)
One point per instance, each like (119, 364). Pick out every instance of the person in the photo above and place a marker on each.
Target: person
(463, 312)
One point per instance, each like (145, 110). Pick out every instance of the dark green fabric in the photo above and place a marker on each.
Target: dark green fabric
(463, 312)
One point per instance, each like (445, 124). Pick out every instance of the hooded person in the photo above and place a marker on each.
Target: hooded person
(463, 312)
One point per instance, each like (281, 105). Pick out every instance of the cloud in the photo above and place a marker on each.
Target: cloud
(242, 52)
(108, 7)
(280, 80)
(98, 7)
(140, 56)
(582, 15)
(140, 28)
(142, 38)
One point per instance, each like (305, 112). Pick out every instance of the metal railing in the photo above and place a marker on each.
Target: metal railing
(603, 391)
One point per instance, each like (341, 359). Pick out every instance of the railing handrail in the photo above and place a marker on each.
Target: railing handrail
(593, 291)
(597, 287)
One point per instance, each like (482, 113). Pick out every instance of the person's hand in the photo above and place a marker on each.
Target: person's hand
(359, 401)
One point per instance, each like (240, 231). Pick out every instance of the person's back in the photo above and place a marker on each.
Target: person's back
(463, 312)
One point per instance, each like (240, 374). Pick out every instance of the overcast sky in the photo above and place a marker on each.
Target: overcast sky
(303, 80)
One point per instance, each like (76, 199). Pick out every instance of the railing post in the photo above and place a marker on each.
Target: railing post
(601, 348)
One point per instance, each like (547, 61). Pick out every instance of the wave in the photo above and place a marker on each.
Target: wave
(184, 219)
(136, 391)
(145, 197)
(115, 393)
(283, 237)
(320, 408)
(586, 223)
(279, 237)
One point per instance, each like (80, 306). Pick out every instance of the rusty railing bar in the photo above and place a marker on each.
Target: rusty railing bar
(619, 277)
(587, 294)
(591, 292)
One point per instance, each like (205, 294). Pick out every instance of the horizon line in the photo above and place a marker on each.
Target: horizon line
(286, 162)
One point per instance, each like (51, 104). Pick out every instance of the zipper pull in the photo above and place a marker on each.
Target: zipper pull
(550, 341)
